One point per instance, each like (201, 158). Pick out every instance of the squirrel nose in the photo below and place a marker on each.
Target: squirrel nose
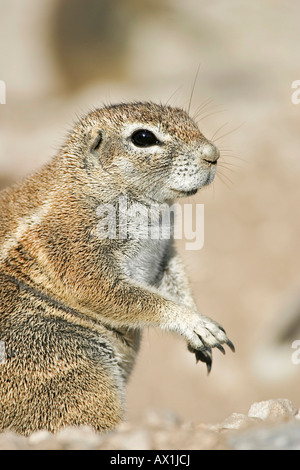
(209, 153)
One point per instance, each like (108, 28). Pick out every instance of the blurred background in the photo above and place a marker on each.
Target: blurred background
(59, 59)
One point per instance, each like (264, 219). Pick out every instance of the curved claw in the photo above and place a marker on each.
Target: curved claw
(230, 344)
(220, 347)
(203, 356)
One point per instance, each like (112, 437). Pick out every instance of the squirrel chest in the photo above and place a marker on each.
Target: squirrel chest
(147, 260)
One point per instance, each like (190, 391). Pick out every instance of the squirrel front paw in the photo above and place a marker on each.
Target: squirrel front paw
(205, 335)
(201, 334)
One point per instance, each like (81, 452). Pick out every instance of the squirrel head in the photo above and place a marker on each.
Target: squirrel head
(153, 151)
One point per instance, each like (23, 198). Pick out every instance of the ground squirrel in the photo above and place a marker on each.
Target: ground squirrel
(73, 303)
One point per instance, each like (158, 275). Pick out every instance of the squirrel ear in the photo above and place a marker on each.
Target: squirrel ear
(96, 139)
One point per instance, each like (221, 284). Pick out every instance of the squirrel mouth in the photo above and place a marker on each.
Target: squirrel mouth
(182, 192)
(190, 192)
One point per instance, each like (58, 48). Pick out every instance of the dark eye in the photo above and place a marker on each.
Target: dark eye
(144, 138)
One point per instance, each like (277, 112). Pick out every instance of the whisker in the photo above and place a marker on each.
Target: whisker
(225, 167)
(236, 158)
(193, 89)
(221, 179)
(218, 130)
(173, 94)
(225, 176)
(202, 106)
(224, 163)
(205, 109)
(229, 132)
(225, 148)
(210, 114)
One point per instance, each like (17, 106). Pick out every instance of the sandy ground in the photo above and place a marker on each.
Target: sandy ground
(269, 425)
(247, 274)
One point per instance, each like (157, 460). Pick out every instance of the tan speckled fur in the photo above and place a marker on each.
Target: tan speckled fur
(72, 305)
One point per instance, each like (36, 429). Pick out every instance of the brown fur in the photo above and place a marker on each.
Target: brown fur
(70, 314)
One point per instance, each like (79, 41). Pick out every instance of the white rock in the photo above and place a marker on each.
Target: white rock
(82, 437)
(38, 437)
(279, 408)
(236, 421)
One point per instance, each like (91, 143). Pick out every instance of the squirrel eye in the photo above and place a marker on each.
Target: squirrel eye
(144, 138)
